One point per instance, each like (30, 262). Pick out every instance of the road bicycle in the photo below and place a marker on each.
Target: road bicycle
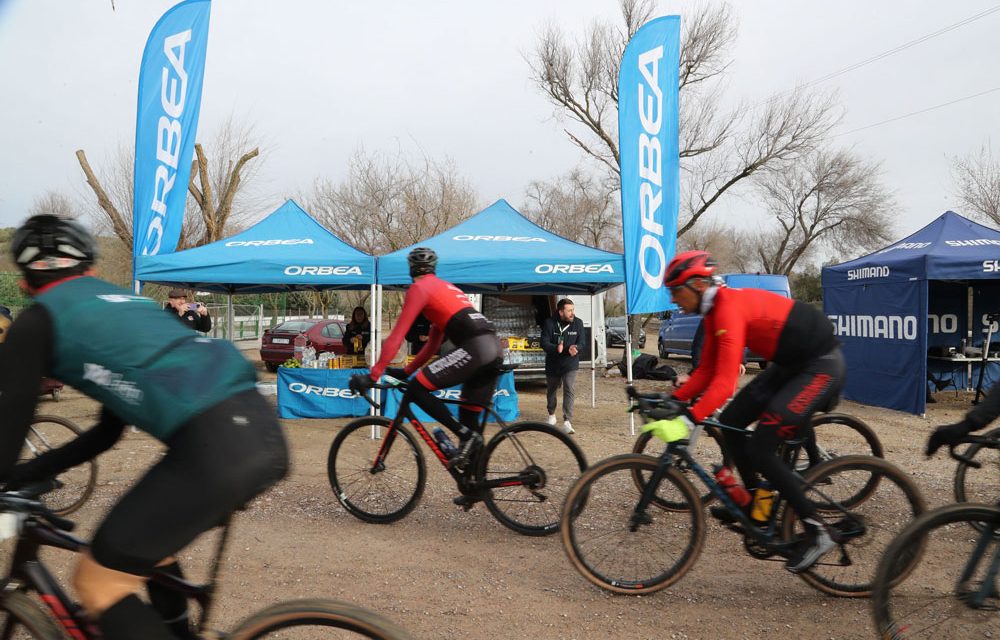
(77, 483)
(378, 472)
(977, 476)
(837, 434)
(633, 524)
(37, 527)
(954, 592)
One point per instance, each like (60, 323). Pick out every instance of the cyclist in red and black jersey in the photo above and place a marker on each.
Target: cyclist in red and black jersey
(475, 361)
(806, 374)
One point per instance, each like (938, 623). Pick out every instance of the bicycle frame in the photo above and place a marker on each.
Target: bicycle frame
(27, 569)
(463, 479)
(989, 586)
(764, 536)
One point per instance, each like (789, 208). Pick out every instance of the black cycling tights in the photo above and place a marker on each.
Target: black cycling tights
(424, 398)
(783, 401)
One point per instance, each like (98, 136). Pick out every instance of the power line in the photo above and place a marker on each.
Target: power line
(903, 47)
(916, 113)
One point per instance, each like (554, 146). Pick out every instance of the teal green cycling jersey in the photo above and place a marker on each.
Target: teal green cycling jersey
(145, 366)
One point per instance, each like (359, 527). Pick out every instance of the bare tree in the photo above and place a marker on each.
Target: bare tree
(55, 203)
(218, 188)
(977, 178)
(577, 206)
(832, 198)
(718, 151)
(389, 202)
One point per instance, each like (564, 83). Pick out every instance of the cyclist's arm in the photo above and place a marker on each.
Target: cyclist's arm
(720, 367)
(25, 356)
(434, 340)
(86, 446)
(413, 304)
(986, 411)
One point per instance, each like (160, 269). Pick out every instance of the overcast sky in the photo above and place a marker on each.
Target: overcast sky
(320, 79)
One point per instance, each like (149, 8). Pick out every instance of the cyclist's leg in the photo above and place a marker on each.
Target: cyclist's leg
(478, 390)
(185, 493)
(786, 416)
(744, 409)
(461, 366)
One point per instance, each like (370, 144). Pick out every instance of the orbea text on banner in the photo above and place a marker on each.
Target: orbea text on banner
(170, 81)
(650, 165)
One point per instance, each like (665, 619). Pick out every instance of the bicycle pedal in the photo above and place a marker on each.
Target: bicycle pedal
(466, 501)
(734, 527)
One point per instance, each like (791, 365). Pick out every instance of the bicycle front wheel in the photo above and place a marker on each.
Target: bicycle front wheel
(948, 594)
(620, 549)
(536, 465)
(51, 432)
(865, 529)
(979, 485)
(316, 620)
(22, 619)
(378, 492)
(708, 448)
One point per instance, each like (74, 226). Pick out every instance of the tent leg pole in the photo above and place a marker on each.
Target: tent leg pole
(593, 354)
(229, 323)
(628, 370)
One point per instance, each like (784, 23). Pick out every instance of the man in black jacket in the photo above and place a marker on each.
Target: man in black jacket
(194, 315)
(562, 339)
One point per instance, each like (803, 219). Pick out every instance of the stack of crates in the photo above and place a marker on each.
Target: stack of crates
(515, 324)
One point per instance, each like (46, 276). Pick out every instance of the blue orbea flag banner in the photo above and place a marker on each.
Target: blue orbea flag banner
(170, 79)
(650, 164)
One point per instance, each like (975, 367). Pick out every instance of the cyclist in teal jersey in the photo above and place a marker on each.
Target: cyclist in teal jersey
(196, 395)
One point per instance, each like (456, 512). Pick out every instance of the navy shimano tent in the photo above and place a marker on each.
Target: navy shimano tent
(498, 250)
(890, 306)
(286, 251)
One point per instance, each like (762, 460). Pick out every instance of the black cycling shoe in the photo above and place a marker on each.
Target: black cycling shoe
(470, 445)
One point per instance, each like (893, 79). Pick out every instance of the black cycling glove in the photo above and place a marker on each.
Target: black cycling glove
(360, 383)
(949, 434)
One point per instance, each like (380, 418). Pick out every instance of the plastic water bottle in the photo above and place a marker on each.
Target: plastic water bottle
(444, 442)
(733, 488)
(763, 501)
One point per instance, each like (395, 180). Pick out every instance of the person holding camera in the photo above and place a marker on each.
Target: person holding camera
(193, 314)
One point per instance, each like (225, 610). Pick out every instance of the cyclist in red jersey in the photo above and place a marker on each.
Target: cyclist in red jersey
(475, 361)
(806, 375)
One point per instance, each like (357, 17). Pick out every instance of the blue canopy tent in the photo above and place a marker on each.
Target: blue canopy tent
(499, 251)
(286, 251)
(889, 306)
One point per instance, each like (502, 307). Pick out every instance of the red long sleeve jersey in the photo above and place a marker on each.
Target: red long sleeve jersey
(451, 315)
(774, 327)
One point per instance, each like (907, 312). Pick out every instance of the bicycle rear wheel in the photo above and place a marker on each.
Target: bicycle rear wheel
(22, 619)
(602, 536)
(839, 434)
(547, 462)
(51, 432)
(380, 493)
(979, 485)
(707, 449)
(866, 528)
(935, 601)
(316, 620)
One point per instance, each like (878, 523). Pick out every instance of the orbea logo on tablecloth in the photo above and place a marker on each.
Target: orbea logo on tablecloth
(326, 392)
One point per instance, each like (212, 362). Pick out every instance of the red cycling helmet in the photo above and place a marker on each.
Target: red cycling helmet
(687, 265)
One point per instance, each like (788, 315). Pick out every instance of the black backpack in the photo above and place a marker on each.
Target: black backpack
(647, 367)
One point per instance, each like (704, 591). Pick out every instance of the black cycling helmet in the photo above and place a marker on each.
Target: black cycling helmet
(422, 260)
(50, 243)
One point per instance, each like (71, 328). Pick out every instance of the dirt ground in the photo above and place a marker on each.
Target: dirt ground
(444, 573)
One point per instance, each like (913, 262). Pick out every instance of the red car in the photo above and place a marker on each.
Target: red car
(278, 343)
